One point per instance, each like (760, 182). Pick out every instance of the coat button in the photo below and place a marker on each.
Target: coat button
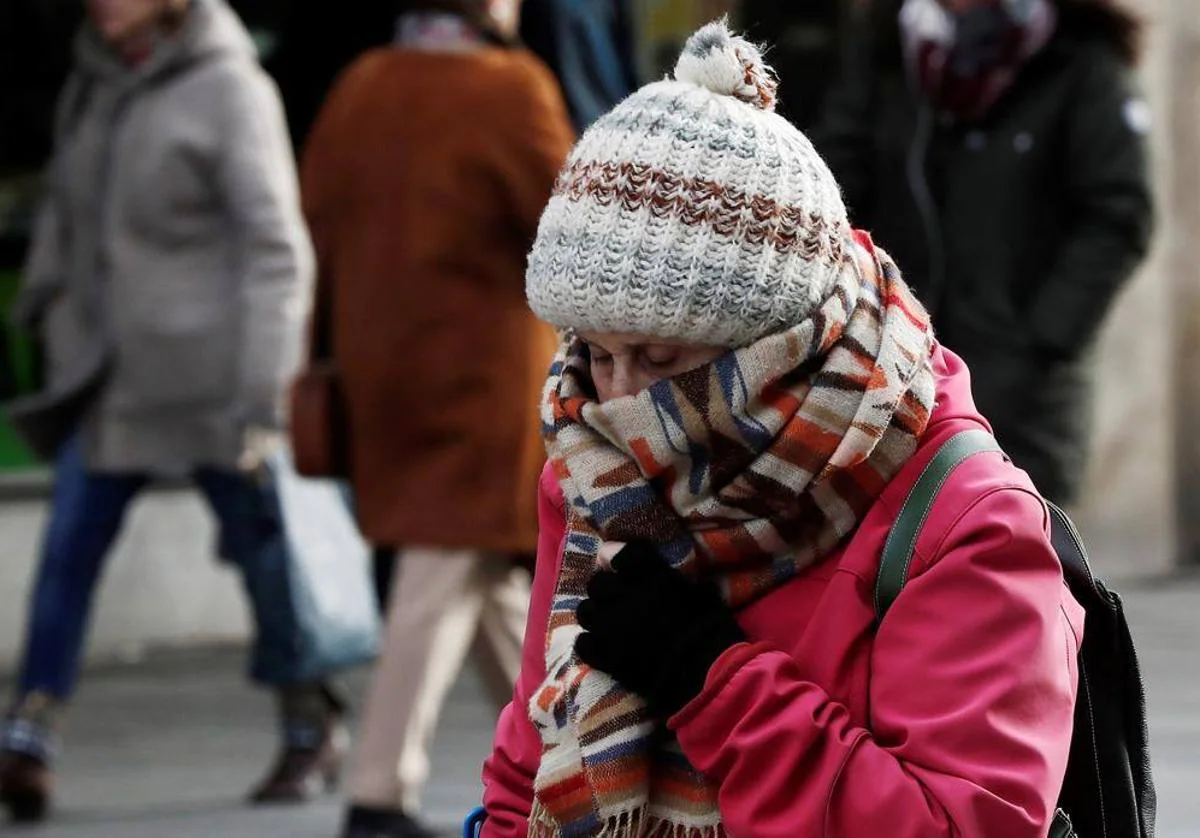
(1023, 142)
(976, 141)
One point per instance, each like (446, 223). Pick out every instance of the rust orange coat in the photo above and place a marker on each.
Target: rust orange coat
(423, 181)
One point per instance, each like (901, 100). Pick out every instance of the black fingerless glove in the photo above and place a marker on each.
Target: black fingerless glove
(653, 629)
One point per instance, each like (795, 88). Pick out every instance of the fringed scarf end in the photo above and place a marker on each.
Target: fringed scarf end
(635, 824)
(541, 824)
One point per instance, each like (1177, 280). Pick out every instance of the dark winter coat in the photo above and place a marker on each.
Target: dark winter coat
(1016, 231)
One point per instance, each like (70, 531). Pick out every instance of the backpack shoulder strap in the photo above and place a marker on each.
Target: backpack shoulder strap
(902, 539)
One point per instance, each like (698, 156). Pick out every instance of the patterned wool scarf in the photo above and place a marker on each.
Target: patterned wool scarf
(964, 63)
(745, 472)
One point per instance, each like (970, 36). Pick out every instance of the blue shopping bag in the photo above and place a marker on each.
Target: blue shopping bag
(329, 570)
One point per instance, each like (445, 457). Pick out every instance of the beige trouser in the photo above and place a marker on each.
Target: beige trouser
(442, 602)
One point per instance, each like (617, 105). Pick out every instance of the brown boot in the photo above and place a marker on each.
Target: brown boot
(315, 742)
(26, 787)
(28, 741)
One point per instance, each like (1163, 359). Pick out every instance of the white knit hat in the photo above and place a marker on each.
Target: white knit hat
(691, 211)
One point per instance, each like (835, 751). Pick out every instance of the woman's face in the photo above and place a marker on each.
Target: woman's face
(626, 364)
(506, 13)
(119, 21)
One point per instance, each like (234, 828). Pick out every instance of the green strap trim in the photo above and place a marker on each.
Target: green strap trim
(902, 539)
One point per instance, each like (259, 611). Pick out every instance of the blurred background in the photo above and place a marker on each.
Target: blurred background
(163, 734)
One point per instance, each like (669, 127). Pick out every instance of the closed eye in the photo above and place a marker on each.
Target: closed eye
(660, 359)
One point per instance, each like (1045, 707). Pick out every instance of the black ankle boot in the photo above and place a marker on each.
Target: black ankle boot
(28, 746)
(373, 822)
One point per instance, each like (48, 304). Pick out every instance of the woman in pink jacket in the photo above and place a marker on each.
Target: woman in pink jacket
(745, 395)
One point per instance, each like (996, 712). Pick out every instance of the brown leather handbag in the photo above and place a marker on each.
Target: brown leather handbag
(319, 429)
(319, 444)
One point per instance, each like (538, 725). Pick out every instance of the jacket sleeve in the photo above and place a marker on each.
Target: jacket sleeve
(540, 137)
(43, 277)
(320, 174)
(257, 178)
(971, 695)
(1109, 200)
(843, 134)
(509, 772)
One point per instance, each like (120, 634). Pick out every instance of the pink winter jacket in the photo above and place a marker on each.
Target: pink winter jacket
(953, 719)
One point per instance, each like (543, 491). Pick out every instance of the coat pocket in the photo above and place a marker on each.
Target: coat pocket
(190, 369)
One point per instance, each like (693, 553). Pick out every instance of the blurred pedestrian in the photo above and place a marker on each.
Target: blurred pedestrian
(747, 393)
(998, 149)
(423, 180)
(168, 277)
(589, 45)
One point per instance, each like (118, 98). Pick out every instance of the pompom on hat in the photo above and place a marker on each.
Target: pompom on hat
(692, 211)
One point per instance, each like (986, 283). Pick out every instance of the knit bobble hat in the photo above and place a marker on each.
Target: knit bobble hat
(691, 211)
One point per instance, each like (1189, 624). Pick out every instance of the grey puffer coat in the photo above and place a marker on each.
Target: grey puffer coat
(170, 268)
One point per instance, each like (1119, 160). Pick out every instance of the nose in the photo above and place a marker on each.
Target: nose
(624, 380)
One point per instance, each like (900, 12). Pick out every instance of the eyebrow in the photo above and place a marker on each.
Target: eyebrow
(633, 347)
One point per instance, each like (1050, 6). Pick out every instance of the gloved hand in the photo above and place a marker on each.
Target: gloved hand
(653, 629)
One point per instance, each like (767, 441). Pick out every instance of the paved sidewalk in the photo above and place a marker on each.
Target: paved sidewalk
(166, 749)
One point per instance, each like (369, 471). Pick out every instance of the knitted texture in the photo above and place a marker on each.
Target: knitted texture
(741, 473)
(691, 211)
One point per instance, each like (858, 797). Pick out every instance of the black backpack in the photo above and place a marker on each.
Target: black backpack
(1108, 791)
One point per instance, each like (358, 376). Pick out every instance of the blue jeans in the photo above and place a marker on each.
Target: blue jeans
(87, 510)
